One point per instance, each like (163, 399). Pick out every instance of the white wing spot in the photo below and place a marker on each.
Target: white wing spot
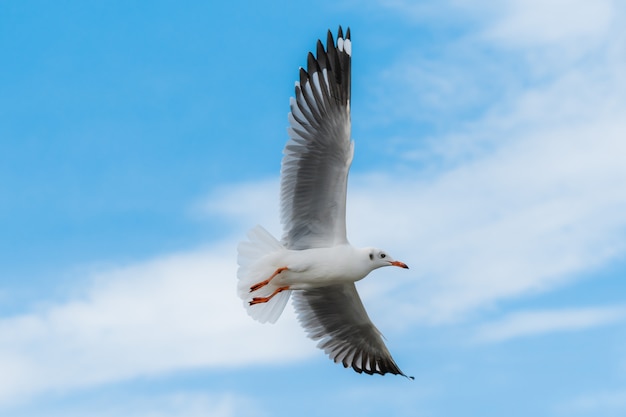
(325, 75)
(307, 87)
(348, 47)
(296, 109)
(340, 44)
(316, 83)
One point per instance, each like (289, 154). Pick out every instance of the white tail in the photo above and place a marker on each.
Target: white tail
(255, 266)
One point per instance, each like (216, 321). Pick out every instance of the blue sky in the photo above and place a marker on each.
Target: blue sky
(139, 142)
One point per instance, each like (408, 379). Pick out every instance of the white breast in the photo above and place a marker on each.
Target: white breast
(319, 267)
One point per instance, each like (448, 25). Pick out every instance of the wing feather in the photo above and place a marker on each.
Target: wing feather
(335, 316)
(317, 157)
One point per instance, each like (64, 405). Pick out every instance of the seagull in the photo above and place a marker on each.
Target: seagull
(314, 260)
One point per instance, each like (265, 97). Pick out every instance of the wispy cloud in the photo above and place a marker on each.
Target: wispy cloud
(536, 22)
(532, 323)
(169, 404)
(245, 204)
(174, 312)
(519, 22)
(531, 193)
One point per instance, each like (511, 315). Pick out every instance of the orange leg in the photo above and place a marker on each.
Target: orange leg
(267, 281)
(258, 300)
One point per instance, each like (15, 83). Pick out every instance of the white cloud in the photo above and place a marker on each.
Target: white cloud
(532, 22)
(169, 404)
(534, 195)
(174, 312)
(532, 323)
(519, 22)
(541, 205)
(248, 203)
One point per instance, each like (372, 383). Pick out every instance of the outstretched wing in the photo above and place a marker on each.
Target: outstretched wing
(318, 155)
(335, 316)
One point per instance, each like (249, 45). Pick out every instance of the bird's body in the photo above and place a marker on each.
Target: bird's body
(314, 260)
(317, 267)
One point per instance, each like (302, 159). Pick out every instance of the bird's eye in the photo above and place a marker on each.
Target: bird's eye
(383, 255)
(371, 256)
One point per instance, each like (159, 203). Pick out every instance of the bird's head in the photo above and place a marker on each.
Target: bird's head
(379, 258)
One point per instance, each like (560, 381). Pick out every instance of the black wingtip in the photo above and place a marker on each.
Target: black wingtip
(348, 33)
(329, 40)
(340, 32)
(304, 76)
(319, 49)
(311, 64)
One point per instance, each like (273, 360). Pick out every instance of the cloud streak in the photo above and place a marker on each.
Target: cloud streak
(174, 312)
(553, 22)
(530, 195)
(533, 323)
(168, 404)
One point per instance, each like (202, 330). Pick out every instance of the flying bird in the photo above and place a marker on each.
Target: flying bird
(314, 260)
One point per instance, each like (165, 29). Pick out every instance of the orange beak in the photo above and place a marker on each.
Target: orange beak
(400, 264)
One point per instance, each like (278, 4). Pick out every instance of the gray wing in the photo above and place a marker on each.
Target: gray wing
(335, 316)
(318, 155)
